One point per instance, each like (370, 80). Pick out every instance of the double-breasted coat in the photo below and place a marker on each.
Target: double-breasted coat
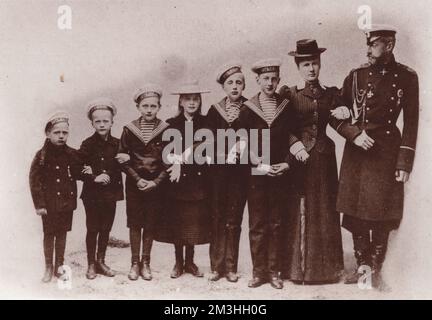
(186, 219)
(100, 154)
(312, 244)
(53, 175)
(143, 207)
(228, 183)
(376, 95)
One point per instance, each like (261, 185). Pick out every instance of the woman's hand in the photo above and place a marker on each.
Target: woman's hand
(340, 113)
(302, 155)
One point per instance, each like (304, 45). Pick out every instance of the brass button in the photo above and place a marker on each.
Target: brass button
(369, 84)
(104, 171)
(396, 75)
(71, 193)
(394, 85)
(57, 167)
(58, 180)
(367, 121)
(315, 101)
(367, 108)
(391, 110)
(199, 173)
(389, 121)
(58, 193)
(102, 159)
(388, 132)
(392, 98)
(370, 73)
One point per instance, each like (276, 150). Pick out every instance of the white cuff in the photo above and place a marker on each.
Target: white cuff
(296, 147)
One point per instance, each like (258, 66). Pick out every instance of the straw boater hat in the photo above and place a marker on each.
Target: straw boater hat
(101, 104)
(190, 88)
(306, 48)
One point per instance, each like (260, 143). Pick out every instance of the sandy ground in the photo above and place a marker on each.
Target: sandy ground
(22, 277)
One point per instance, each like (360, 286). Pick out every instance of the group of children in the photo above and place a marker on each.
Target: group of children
(179, 203)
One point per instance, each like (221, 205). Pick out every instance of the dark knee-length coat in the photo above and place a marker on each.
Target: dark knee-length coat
(312, 244)
(53, 176)
(377, 94)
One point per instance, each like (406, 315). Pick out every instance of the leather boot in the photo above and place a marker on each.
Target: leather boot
(379, 249)
(101, 267)
(275, 281)
(134, 271)
(91, 271)
(362, 255)
(48, 246)
(60, 246)
(145, 271)
(190, 266)
(178, 267)
(48, 273)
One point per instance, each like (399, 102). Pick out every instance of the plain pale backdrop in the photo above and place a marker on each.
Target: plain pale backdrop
(116, 46)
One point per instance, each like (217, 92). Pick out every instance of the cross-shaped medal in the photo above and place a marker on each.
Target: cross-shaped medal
(383, 71)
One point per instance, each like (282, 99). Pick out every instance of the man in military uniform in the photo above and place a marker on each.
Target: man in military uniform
(377, 159)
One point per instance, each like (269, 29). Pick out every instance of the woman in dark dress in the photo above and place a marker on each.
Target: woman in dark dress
(186, 218)
(312, 241)
(228, 181)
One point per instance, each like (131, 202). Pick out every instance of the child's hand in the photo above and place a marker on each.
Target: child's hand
(103, 178)
(41, 212)
(278, 169)
(141, 184)
(174, 172)
(122, 157)
(87, 170)
(340, 113)
(149, 186)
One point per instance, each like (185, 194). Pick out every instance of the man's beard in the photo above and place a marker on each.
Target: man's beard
(378, 60)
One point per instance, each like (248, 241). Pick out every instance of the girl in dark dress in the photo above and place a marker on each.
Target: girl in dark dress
(312, 245)
(53, 175)
(186, 219)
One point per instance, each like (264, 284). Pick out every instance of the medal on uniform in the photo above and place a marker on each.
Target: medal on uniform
(400, 95)
(370, 94)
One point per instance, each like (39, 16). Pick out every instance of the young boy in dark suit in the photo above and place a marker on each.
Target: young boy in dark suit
(53, 174)
(102, 184)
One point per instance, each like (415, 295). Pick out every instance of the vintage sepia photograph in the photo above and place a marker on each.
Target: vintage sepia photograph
(214, 150)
